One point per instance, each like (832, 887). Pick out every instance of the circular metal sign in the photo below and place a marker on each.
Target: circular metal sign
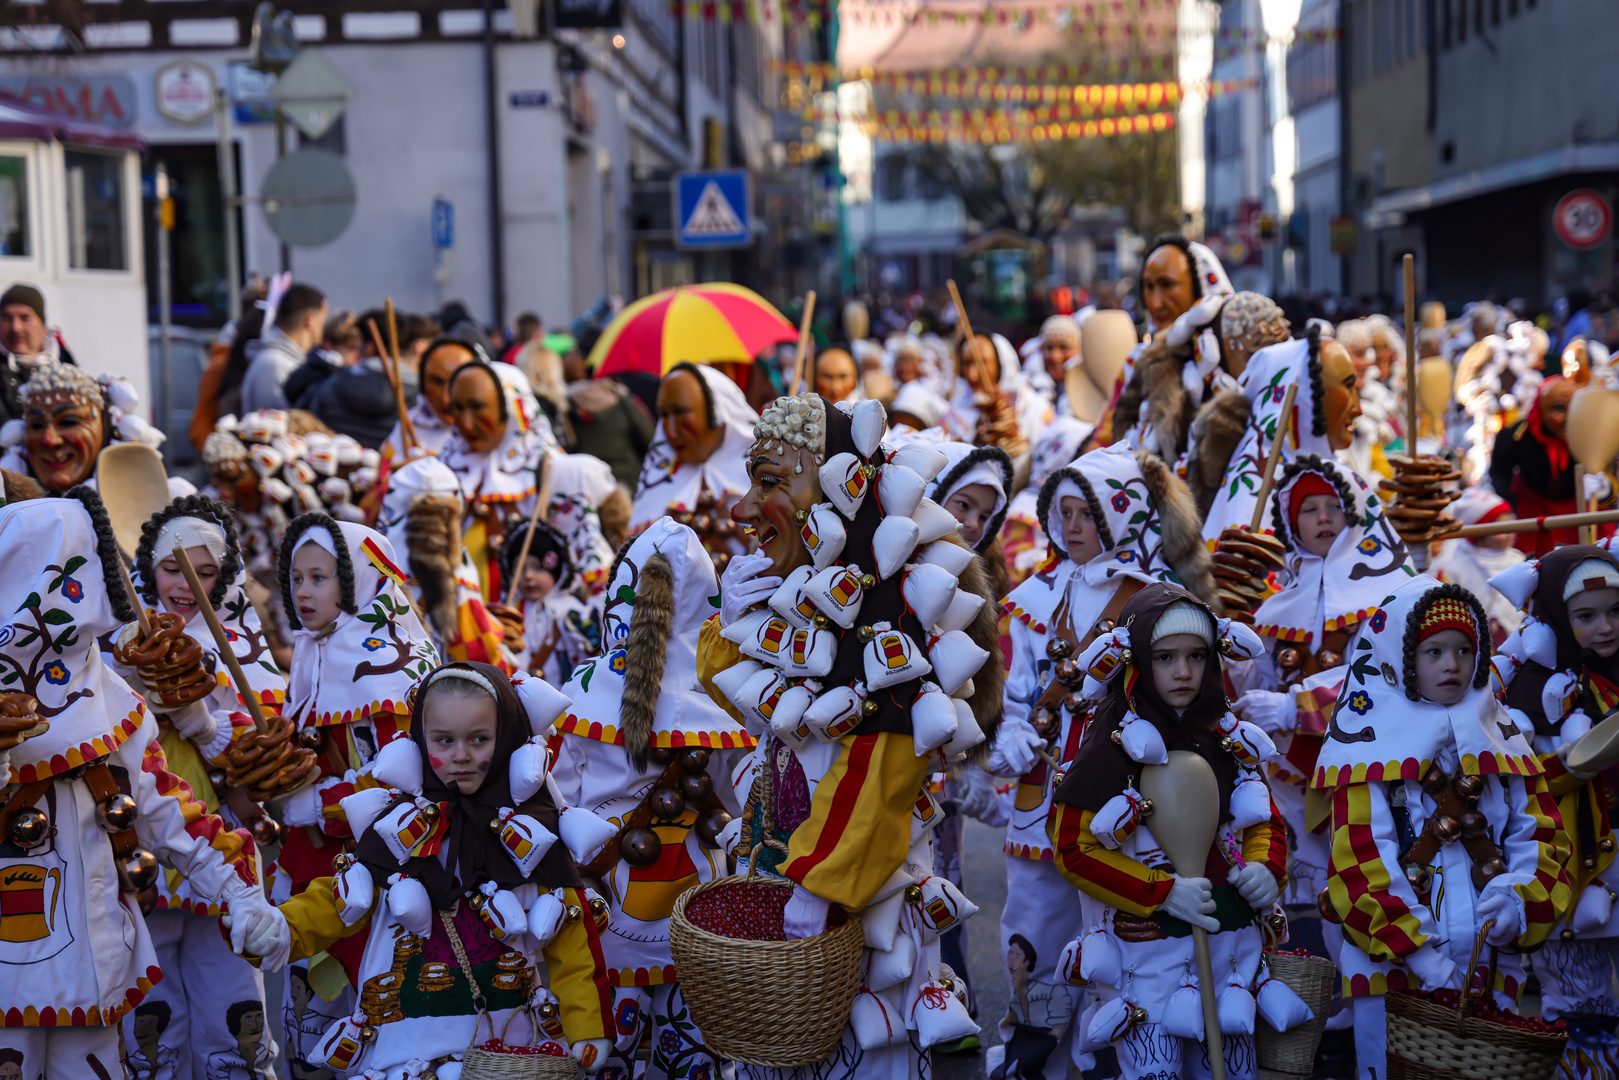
(308, 197)
(1583, 219)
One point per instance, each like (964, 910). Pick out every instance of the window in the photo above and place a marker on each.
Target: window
(95, 210)
(891, 178)
(14, 206)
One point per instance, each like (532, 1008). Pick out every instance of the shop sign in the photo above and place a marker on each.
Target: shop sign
(108, 100)
(184, 91)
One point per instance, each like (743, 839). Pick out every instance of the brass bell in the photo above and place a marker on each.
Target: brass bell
(667, 803)
(869, 707)
(1067, 671)
(368, 1034)
(1059, 648)
(1605, 845)
(548, 1010)
(1138, 1015)
(1323, 903)
(1328, 658)
(1224, 645)
(309, 740)
(694, 759)
(116, 813)
(573, 913)
(640, 847)
(662, 755)
(1434, 781)
(697, 787)
(30, 827)
(822, 622)
(1118, 739)
(138, 871)
(868, 471)
(1486, 870)
(602, 913)
(1075, 701)
(868, 582)
(1147, 807)
(343, 862)
(702, 523)
(1418, 876)
(1590, 863)
(1289, 658)
(1473, 823)
(266, 830)
(705, 499)
(494, 826)
(1276, 921)
(1468, 787)
(1446, 828)
(865, 633)
(1567, 934)
(430, 811)
(947, 985)
(801, 516)
(682, 517)
(218, 780)
(1057, 778)
(711, 824)
(1127, 656)
(913, 894)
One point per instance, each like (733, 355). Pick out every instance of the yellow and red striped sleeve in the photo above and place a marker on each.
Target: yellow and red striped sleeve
(1266, 842)
(1110, 876)
(235, 846)
(859, 827)
(477, 635)
(1559, 781)
(313, 916)
(714, 655)
(1548, 895)
(1366, 887)
(576, 971)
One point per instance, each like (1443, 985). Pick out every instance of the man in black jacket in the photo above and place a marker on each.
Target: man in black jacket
(27, 341)
(359, 400)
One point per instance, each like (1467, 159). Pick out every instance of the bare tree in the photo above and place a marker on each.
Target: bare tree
(999, 186)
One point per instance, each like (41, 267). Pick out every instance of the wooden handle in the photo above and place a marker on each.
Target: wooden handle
(135, 600)
(1283, 425)
(1411, 355)
(803, 345)
(390, 365)
(221, 640)
(1211, 1009)
(1518, 525)
(961, 318)
(542, 496)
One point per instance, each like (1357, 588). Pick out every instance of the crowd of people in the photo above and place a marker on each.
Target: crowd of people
(434, 715)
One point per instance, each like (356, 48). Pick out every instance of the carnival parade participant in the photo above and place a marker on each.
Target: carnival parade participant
(68, 417)
(696, 464)
(641, 749)
(991, 404)
(590, 510)
(204, 980)
(1412, 893)
(1472, 561)
(1023, 536)
(839, 804)
(1560, 678)
(556, 629)
(430, 417)
(1102, 555)
(467, 906)
(1531, 466)
(93, 808)
(1160, 671)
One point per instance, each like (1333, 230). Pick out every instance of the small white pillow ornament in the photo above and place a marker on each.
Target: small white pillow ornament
(940, 1017)
(1518, 582)
(1141, 741)
(1250, 800)
(524, 839)
(403, 827)
(543, 702)
(785, 712)
(921, 459)
(1068, 964)
(1246, 742)
(1592, 909)
(352, 888)
(583, 832)
(301, 473)
(837, 593)
(879, 922)
(409, 905)
(789, 601)
(933, 719)
(1118, 819)
(763, 688)
(1102, 660)
(500, 911)
(867, 422)
(836, 712)
(340, 1047)
(957, 658)
(545, 917)
(1558, 697)
(1279, 1005)
(845, 483)
(899, 490)
(731, 680)
(1113, 1020)
(265, 460)
(798, 651)
(1235, 1006)
(934, 523)
(963, 609)
(928, 591)
(968, 732)
(362, 808)
(823, 535)
(893, 966)
(940, 907)
(953, 557)
(1100, 958)
(1539, 642)
(1183, 1012)
(877, 1019)
(891, 657)
(529, 765)
(892, 544)
(399, 765)
(276, 490)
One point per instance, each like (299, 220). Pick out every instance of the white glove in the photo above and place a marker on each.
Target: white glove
(1014, 751)
(1191, 899)
(1597, 486)
(1434, 968)
(195, 722)
(1268, 710)
(1501, 904)
(741, 587)
(1256, 884)
(591, 1054)
(805, 914)
(980, 798)
(257, 928)
(1578, 774)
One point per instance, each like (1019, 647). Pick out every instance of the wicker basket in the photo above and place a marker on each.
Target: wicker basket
(1427, 1041)
(1293, 1051)
(780, 1004)
(498, 1059)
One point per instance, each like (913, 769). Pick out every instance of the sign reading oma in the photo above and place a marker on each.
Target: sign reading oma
(108, 100)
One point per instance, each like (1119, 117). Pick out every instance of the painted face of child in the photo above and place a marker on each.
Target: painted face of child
(1178, 662)
(1593, 615)
(1445, 665)
(973, 506)
(536, 582)
(174, 592)
(316, 592)
(1079, 535)
(1321, 519)
(460, 732)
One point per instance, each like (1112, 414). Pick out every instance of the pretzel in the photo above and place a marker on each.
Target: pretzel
(271, 764)
(511, 625)
(1419, 497)
(19, 720)
(1243, 562)
(170, 662)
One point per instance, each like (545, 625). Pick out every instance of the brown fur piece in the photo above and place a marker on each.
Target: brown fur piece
(1157, 380)
(614, 515)
(989, 682)
(20, 488)
(432, 535)
(646, 648)
(1181, 529)
(1217, 431)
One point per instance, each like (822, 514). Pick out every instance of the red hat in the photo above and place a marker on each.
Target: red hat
(1448, 613)
(1308, 484)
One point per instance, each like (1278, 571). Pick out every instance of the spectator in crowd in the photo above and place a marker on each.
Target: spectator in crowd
(299, 323)
(527, 330)
(609, 422)
(359, 400)
(27, 341)
(339, 347)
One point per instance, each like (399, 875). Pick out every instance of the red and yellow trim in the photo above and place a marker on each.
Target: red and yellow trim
(1284, 633)
(658, 976)
(51, 1016)
(1029, 851)
(1024, 617)
(1328, 776)
(607, 733)
(1343, 621)
(98, 747)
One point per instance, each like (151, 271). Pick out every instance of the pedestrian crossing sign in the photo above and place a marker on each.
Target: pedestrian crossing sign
(712, 209)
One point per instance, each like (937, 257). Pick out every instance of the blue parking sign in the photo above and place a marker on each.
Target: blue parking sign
(712, 209)
(443, 223)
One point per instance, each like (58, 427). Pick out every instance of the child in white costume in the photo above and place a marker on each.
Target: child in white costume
(1160, 672)
(639, 748)
(559, 629)
(461, 885)
(1116, 521)
(73, 936)
(1418, 742)
(205, 979)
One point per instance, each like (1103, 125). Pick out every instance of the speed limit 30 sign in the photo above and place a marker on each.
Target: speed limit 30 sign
(1583, 219)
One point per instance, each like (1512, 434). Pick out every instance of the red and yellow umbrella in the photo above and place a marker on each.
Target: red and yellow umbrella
(714, 323)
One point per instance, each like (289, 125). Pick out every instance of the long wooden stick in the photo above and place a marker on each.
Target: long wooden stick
(803, 345)
(1283, 425)
(200, 594)
(390, 368)
(1411, 354)
(542, 497)
(965, 323)
(1518, 525)
(1579, 498)
(135, 601)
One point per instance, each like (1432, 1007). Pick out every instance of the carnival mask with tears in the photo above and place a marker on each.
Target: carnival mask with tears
(786, 486)
(65, 433)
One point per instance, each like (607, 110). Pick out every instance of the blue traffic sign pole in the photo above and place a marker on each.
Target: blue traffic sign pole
(443, 242)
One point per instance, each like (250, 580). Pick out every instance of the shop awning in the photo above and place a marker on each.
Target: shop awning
(22, 121)
(1389, 210)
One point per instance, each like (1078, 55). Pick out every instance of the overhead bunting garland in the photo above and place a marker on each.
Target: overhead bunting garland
(1071, 102)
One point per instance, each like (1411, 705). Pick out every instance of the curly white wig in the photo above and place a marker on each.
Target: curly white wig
(62, 380)
(798, 422)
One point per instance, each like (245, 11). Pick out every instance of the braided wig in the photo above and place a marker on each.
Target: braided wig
(345, 565)
(197, 506)
(106, 549)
